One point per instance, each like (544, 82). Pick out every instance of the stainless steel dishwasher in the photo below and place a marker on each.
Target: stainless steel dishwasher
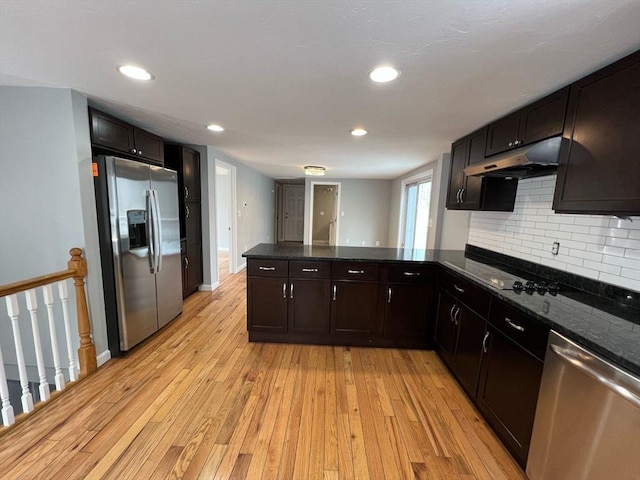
(587, 423)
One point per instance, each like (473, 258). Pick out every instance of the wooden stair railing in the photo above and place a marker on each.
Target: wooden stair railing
(76, 269)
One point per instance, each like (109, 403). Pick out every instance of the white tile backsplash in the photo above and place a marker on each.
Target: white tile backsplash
(600, 247)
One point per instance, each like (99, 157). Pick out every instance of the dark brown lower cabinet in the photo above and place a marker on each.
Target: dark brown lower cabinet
(267, 304)
(354, 307)
(308, 306)
(508, 391)
(458, 337)
(407, 310)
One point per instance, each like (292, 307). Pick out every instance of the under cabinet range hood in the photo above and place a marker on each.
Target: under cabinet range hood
(533, 160)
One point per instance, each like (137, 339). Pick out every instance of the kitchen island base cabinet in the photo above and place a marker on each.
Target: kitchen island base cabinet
(407, 309)
(354, 307)
(309, 305)
(267, 304)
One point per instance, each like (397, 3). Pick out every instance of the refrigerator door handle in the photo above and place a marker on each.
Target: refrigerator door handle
(157, 231)
(152, 232)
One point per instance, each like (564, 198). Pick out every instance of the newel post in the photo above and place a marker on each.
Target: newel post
(87, 350)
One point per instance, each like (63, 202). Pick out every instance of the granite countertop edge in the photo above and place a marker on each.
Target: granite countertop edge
(442, 258)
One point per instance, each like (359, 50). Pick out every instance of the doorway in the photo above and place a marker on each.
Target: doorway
(225, 219)
(290, 198)
(325, 205)
(416, 200)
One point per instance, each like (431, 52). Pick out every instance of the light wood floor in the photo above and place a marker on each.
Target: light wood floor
(199, 401)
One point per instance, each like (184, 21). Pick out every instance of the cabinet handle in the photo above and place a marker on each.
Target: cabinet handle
(268, 269)
(511, 144)
(310, 270)
(453, 307)
(335, 290)
(455, 316)
(133, 150)
(411, 274)
(462, 195)
(186, 192)
(517, 142)
(356, 272)
(389, 296)
(186, 262)
(461, 290)
(513, 325)
(458, 196)
(186, 211)
(139, 152)
(291, 291)
(284, 290)
(485, 349)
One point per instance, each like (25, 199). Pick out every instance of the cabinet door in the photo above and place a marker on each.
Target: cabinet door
(267, 304)
(111, 133)
(191, 174)
(446, 329)
(508, 392)
(407, 310)
(459, 152)
(544, 118)
(353, 307)
(599, 169)
(471, 329)
(471, 195)
(502, 134)
(148, 145)
(193, 269)
(309, 305)
(192, 222)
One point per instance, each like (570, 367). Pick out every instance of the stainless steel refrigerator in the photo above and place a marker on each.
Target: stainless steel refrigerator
(140, 248)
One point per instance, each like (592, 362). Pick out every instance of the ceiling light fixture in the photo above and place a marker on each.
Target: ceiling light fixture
(384, 73)
(215, 128)
(358, 132)
(137, 73)
(314, 170)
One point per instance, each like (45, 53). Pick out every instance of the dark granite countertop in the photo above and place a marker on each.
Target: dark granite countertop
(609, 328)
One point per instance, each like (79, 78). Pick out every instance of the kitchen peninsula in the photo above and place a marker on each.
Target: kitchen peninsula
(368, 296)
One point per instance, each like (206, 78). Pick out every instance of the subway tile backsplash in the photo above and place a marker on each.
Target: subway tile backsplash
(600, 247)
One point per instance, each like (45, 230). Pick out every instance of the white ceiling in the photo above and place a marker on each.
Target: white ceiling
(288, 79)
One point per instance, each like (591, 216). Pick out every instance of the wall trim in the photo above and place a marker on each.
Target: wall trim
(103, 358)
(209, 288)
(241, 267)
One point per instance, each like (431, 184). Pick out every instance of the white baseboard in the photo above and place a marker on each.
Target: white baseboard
(241, 267)
(103, 358)
(208, 288)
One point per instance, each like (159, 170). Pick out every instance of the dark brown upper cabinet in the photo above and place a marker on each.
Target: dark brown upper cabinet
(599, 168)
(112, 135)
(477, 193)
(535, 122)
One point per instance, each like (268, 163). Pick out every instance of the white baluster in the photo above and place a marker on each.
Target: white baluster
(47, 292)
(64, 297)
(32, 306)
(7, 410)
(14, 312)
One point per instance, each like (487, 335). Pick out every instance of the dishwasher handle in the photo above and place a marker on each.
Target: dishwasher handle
(574, 359)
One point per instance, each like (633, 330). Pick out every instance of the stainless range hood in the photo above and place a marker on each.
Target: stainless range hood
(533, 160)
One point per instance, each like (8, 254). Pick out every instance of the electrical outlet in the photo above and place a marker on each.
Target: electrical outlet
(555, 248)
(347, 240)
(377, 243)
(362, 242)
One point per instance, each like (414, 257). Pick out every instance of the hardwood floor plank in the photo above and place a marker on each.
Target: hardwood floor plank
(197, 400)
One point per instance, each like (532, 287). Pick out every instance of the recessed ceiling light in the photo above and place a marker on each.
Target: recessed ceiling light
(358, 132)
(384, 73)
(215, 128)
(134, 72)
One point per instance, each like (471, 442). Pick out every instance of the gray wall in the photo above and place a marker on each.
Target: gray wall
(365, 204)
(222, 210)
(255, 195)
(46, 197)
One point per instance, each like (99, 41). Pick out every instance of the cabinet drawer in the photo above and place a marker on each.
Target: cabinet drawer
(267, 268)
(521, 328)
(305, 269)
(473, 297)
(412, 273)
(354, 271)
